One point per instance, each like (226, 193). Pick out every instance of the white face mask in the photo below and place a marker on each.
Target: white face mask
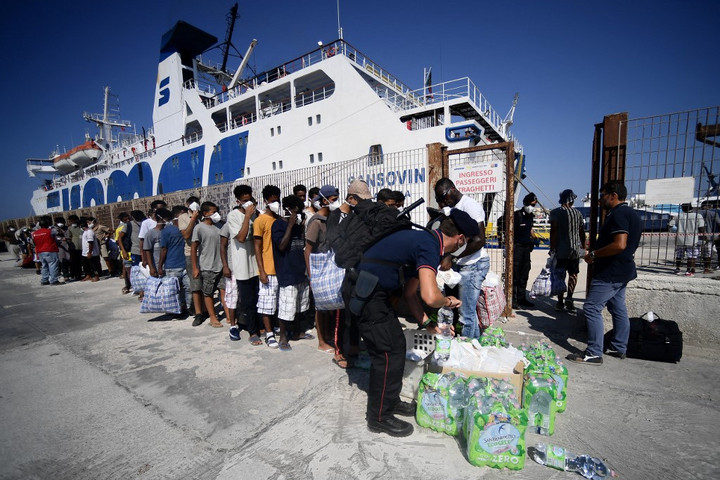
(247, 204)
(446, 211)
(334, 205)
(528, 208)
(459, 251)
(317, 205)
(74, 225)
(299, 219)
(91, 225)
(215, 217)
(60, 225)
(274, 207)
(194, 206)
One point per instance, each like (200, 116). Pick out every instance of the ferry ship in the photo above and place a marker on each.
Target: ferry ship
(211, 126)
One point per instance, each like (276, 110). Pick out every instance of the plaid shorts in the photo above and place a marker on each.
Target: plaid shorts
(231, 292)
(268, 296)
(211, 281)
(692, 251)
(293, 299)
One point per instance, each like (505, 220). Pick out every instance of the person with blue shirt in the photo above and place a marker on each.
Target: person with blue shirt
(397, 266)
(172, 258)
(613, 266)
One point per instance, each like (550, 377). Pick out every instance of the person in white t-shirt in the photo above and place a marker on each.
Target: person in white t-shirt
(473, 262)
(690, 224)
(90, 253)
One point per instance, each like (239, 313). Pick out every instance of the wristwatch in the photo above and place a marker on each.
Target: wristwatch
(592, 255)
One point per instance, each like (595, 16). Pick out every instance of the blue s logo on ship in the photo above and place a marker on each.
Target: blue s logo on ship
(164, 91)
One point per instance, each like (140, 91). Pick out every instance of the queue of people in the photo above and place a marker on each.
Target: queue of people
(268, 260)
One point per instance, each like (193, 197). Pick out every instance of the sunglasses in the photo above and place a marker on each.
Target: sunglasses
(441, 197)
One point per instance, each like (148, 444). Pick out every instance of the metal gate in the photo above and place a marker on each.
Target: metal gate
(498, 204)
(664, 161)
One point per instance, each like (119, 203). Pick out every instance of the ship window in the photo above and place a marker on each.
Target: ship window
(313, 87)
(272, 132)
(317, 119)
(319, 156)
(309, 121)
(274, 166)
(248, 171)
(312, 158)
(280, 163)
(279, 131)
(375, 155)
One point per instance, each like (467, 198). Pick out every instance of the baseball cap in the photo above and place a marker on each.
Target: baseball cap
(360, 188)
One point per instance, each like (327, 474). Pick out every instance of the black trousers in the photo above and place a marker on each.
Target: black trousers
(92, 266)
(384, 338)
(521, 270)
(248, 292)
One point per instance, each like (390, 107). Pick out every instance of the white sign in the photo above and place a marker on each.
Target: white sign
(669, 191)
(483, 177)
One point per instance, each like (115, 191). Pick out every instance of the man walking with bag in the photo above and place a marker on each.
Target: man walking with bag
(613, 267)
(567, 242)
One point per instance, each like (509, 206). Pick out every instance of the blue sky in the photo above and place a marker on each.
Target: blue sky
(572, 62)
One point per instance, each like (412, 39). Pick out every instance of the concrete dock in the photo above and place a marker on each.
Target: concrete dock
(92, 389)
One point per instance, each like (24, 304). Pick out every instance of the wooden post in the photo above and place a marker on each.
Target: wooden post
(437, 164)
(509, 237)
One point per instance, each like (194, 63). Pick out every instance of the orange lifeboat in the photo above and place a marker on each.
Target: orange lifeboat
(78, 157)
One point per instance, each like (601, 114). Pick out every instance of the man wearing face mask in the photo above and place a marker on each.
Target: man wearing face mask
(613, 267)
(151, 244)
(288, 242)
(149, 223)
(326, 201)
(243, 264)
(567, 242)
(371, 290)
(523, 245)
(473, 262)
(206, 261)
(268, 286)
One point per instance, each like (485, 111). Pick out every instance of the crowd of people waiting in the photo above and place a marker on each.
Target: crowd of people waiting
(257, 260)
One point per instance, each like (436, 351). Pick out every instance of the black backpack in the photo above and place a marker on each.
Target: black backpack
(370, 222)
(127, 239)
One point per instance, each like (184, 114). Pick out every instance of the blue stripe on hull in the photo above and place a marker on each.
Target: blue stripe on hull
(122, 187)
(52, 200)
(93, 191)
(182, 171)
(75, 197)
(228, 159)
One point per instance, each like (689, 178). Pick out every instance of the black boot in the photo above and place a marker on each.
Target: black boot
(390, 425)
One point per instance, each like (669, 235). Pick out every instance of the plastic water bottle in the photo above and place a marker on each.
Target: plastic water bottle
(539, 412)
(554, 457)
(443, 339)
(650, 316)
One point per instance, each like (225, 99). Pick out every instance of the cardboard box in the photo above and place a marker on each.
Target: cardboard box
(515, 378)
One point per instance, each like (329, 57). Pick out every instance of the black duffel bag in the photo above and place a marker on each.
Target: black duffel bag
(659, 340)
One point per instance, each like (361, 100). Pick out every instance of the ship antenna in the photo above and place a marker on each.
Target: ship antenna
(340, 31)
(231, 18)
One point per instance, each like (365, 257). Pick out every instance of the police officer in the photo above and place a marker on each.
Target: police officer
(523, 245)
(397, 265)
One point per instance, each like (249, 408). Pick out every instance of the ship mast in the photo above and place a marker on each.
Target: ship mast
(106, 121)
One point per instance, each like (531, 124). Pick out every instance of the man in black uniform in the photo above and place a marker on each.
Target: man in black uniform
(523, 245)
(371, 290)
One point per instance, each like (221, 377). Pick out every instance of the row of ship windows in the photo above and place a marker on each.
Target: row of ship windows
(318, 119)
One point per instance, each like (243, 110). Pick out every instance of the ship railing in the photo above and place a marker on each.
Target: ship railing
(459, 89)
(325, 52)
(205, 89)
(268, 109)
(242, 120)
(320, 93)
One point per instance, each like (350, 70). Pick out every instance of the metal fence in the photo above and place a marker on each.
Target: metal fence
(682, 149)
(493, 204)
